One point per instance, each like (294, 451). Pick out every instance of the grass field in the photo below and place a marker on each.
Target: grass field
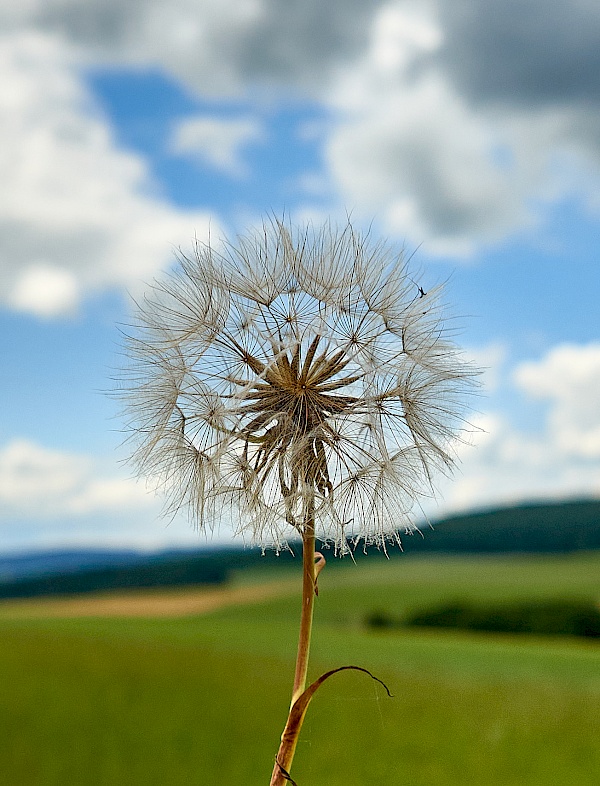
(201, 698)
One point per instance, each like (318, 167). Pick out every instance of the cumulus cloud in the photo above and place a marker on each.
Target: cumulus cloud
(526, 51)
(568, 377)
(76, 214)
(439, 137)
(217, 142)
(216, 46)
(36, 480)
(46, 291)
(506, 464)
(448, 121)
(417, 156)
(53, 499)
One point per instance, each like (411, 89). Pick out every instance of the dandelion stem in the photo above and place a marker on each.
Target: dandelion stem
(291, 732)
(308, 602)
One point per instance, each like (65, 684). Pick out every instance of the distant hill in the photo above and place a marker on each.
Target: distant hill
(57, 561)
(153, 572)
(166, 569)
(559, 528)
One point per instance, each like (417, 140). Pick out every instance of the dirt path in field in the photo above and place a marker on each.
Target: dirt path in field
(146, 603)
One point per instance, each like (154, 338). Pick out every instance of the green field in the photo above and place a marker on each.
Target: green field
(201, 700)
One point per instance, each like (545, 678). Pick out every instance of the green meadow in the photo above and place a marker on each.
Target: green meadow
(202, 699)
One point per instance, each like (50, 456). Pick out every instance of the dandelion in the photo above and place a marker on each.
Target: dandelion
(300, 384)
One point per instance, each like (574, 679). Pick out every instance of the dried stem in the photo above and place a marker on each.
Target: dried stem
(306, 617)
(310, 571)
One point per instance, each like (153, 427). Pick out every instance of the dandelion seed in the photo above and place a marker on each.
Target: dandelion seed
(282, 369)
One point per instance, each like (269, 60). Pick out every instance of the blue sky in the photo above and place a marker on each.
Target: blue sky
(468, 139)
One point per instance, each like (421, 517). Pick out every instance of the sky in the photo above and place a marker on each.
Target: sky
(465, 132)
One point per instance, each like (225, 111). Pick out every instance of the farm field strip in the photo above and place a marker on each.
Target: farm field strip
(145, 603)
(348, 589)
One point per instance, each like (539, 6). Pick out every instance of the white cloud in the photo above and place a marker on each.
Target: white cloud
(56, 499)
(415, 155)
(217, 142)
(506, 465)
(400, 33)
(569, 378)
(410, 148)
(41, 482)
(450, 121)
(77, 215)
(46, 291)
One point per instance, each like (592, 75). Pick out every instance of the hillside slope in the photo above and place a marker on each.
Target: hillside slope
(550, 528)
(558, 527)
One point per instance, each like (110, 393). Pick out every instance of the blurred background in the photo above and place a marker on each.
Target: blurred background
(465, 133)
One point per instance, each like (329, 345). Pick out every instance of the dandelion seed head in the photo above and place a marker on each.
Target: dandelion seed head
(295, 370)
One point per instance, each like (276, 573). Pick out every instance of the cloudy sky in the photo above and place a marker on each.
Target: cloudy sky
(467, 132)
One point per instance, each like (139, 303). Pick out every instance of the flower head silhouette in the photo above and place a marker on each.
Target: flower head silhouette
(298, 375)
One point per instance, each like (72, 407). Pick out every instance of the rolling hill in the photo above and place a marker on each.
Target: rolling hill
(541, 528)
